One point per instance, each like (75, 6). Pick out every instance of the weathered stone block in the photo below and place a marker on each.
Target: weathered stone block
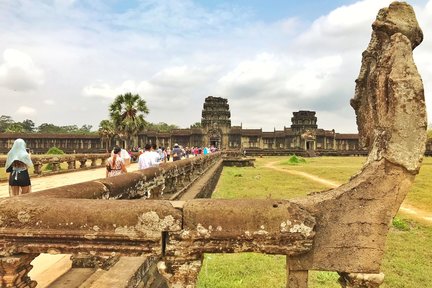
(80, 225)
(267, 226)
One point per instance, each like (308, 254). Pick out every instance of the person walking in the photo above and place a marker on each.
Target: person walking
(168, 152)
(155, 153)
(17, 163)
(126, 156)
(115, 164)
(148, 158)
(177, 152)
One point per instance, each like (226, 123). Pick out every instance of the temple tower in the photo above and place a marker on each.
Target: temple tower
(216, 122)
(304, 125)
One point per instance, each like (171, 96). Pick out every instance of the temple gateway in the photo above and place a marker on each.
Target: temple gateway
(302, 137)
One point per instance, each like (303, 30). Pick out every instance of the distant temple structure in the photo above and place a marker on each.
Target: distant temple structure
(302, 137)
(216, 130)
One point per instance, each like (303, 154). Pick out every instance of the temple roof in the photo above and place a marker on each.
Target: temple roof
(347, 136)
(252, 132)
(322, 132)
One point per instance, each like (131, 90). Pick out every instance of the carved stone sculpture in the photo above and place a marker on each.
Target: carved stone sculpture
(353, 219)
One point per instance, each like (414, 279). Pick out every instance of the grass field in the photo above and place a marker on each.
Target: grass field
(407, 262)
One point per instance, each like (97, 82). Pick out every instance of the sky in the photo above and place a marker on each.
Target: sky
(64, 61)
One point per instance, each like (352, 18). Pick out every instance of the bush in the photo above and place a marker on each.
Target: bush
(294, 160)
(53, 151)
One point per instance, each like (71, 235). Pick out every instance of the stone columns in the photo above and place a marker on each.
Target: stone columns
(71, 164)
(14, 269)
(296, 278)
(55, 166)
(83, 163)
(37, 165)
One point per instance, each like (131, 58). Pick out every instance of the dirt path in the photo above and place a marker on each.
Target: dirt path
(405, 208)
(312, 177)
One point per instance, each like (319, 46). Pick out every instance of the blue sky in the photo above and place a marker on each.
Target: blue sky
(275, 10)
(64, 61)
(259, 9)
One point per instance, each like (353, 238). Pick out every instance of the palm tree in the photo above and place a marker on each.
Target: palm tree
(107, 131)
(127, 112)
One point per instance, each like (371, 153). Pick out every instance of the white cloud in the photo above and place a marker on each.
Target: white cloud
(105, 90)
(174, 84)
(18, 72)
(343, 26)
(26, 111)
(175, 53)
(180, 76)
(312, 77)
(263, 68)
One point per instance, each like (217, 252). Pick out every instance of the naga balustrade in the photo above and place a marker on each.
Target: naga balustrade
(343, 229)
(73, 161)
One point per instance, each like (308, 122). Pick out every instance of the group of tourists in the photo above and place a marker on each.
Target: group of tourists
(151, 156)
(18, 161)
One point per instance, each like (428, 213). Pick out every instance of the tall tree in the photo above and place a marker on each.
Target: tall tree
(28, 125)
(86, 128)
(69, 128)
(107, 132)
(49, 128)
(127, 112)
(16, 127)
(161, 127)
(5, 121)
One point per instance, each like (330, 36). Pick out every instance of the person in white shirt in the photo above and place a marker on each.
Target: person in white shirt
(147, 159)
(125, 156)
(155, 154)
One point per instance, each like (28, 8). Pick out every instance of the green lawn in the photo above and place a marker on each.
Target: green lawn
(338, 169)
(407, 261)
(261, 182)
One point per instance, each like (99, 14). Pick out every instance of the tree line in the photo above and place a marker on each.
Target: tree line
(127, 118)
(8, 125)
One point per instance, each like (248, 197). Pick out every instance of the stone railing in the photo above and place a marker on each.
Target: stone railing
(341, 230)
(71, 161)
(162, 182)
(169, 181)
